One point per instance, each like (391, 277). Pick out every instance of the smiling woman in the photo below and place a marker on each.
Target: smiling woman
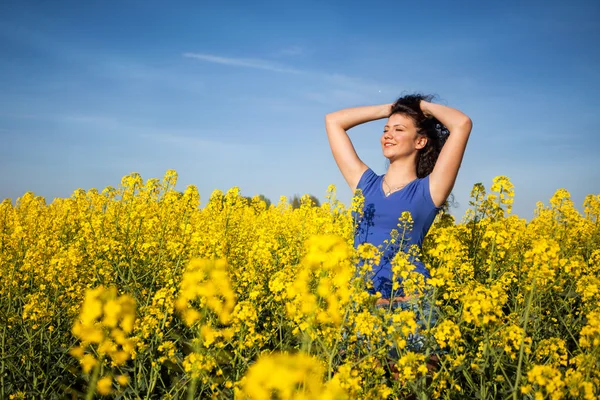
(424, 143)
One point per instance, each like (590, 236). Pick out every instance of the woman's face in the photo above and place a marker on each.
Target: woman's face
(400, 138)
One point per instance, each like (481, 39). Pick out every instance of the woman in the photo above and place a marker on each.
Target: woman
(424, 143)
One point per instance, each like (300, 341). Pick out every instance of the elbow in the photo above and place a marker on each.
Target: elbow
(332, 119)
(336, 120)
(465, 124)
(329, 118)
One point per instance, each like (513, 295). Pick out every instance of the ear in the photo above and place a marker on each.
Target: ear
(421, 142)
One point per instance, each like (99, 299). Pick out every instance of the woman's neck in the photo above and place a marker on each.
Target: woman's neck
(401, 172)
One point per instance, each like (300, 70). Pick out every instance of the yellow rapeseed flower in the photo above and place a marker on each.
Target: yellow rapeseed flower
(297, 376)
(104, 385)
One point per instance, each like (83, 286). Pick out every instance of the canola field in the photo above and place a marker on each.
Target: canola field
(137, 292)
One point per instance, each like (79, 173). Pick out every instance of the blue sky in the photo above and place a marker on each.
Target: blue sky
(235, 93)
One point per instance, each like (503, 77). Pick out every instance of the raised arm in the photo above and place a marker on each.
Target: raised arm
(443, 176)
(337, 124)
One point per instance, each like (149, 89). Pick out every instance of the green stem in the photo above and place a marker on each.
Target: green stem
(522, 350)
(3, 368)
(335, 350)
(92, 387)
(192, 389)
(152, 383)
(493, 262)
(482, 387)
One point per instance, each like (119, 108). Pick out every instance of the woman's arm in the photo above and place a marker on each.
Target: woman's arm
(336, 124)
(443, 176)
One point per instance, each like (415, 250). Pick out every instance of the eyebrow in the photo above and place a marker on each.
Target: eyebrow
(387, 126)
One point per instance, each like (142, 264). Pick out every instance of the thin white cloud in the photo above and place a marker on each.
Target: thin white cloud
(123, 69)
(338, 90)
(333, 87)
(243, 62)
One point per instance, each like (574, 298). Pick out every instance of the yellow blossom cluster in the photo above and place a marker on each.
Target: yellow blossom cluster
(208, 282)
(320, 294)
(447, 334)
(547, 381)
(103, 328)
(552, 350)
(298, 376)
(482, 305)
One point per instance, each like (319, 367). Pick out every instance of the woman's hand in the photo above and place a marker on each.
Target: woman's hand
(424, 105)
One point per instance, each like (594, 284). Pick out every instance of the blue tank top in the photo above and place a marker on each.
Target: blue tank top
(381, 215)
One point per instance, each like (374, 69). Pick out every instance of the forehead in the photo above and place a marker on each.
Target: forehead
(400, 119)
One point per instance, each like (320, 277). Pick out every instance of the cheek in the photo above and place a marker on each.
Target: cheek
(401, 138)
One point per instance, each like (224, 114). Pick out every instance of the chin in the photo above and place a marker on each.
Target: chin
(388, 154)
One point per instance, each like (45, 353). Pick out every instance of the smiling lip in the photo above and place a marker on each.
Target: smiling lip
(387, 144)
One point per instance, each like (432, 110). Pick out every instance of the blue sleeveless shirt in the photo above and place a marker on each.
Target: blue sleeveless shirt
(381, 215)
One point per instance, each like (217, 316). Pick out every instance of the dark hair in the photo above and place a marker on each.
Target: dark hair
(436, 133)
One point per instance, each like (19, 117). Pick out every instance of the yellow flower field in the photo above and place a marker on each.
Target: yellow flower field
(137, 292)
